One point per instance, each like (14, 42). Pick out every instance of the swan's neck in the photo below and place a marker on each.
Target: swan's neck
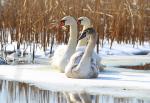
(70, 47)
(72, 39)
(89, 50)
(83, 42)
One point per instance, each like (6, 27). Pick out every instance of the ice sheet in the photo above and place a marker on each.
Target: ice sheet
(113, 81)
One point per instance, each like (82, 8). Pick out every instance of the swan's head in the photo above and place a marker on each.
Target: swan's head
(88, 32)
(68, 20)
(84, 21)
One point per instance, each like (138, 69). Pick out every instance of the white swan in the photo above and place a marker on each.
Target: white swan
(64, 52)
(83, 64)
(86, 23)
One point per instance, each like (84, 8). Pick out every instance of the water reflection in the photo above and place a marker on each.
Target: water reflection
(17, 92)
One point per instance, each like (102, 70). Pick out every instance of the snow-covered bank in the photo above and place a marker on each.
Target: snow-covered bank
(135, 54)
(114, 81)
(116, 49)
(124, 49)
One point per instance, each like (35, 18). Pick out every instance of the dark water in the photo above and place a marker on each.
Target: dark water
(17, 92)
(2, 61)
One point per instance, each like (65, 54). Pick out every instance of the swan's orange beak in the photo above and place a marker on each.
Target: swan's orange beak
(79, 22)
(62, 23)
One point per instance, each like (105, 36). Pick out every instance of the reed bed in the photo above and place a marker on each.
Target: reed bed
(37, 21)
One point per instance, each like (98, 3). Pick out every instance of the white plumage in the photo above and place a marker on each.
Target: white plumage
(64, 52)
(82, 43)
(83, 72)
(56, 59)
(83, 64)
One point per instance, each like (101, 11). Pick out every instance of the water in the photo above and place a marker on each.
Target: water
(19, 92)
(16, 92)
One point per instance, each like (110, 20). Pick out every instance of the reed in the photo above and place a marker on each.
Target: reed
(37, 20)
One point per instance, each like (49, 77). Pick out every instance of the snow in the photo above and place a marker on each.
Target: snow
(123, 49)
(119, 50)
(116, 49)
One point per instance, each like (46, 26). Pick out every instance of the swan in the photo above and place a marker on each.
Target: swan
(64, 52)
(82, 65)
(86, 23)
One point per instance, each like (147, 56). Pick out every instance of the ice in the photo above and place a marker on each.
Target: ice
(113, 81)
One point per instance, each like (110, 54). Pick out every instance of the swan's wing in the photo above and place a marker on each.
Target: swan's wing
(74, 61)
(59, 52)
(98, 61)
(76, 57)
(94, 67)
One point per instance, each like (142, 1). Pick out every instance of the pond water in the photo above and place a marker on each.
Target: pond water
(17, 92)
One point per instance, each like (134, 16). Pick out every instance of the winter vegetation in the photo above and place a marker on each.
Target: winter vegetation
(37, 21)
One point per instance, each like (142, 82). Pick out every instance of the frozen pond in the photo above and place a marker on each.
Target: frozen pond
(39, 84)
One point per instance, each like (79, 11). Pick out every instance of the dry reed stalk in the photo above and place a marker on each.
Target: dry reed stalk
(37, 21)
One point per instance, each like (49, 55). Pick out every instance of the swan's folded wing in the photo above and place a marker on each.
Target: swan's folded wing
(76, 57)
(59, 52)
(98, 61)
(74, 61)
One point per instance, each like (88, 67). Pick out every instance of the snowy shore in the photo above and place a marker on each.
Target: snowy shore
(113, 81)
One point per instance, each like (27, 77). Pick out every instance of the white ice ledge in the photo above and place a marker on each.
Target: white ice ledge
(113, 81)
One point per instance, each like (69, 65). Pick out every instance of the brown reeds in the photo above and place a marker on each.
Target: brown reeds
(138, 67)
(36, 20)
